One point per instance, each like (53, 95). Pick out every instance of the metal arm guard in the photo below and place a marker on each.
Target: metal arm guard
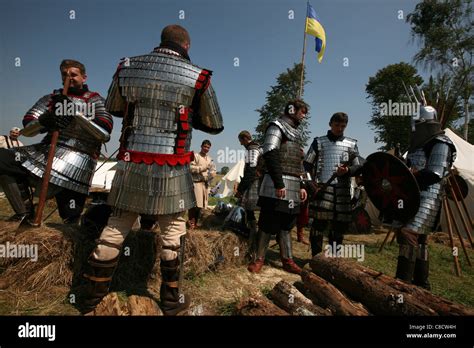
(93, 129)
(208, 117)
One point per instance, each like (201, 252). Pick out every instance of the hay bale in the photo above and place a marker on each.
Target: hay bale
(53, 266)
(63, 251)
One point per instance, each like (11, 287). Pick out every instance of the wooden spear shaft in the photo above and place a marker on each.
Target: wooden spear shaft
(458, 232)
(49, 166)
(457, 267)
(451, 184)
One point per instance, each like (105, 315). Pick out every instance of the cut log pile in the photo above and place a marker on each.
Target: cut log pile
(340, 287)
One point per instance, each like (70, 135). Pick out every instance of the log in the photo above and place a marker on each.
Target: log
(328, 296)
(140, 305)
(440, 305)
(109, 306)
(258, 306)
(378, 297)
(290, 299)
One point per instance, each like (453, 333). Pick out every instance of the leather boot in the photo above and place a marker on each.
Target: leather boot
(286, 253)
(262, 246)
(406, 263)
(97, 278)
(172, 301)
(17, 198)
(316, 240)
(422, 268)
(300, 236)
(252, 246)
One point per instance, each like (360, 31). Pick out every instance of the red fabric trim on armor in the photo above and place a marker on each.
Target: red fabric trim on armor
(203, 81)
(158, 158)
(105, 120)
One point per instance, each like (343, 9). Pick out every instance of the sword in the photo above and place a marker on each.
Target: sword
(49, 166)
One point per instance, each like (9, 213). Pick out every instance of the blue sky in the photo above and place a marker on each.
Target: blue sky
(257, 32)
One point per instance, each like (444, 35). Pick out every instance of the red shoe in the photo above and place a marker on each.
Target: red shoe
(290, 266)
(256, 266)
(300, 237)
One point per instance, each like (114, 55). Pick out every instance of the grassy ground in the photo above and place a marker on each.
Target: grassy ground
(217, 292)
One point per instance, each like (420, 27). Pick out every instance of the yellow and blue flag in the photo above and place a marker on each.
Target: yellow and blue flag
(314, 28)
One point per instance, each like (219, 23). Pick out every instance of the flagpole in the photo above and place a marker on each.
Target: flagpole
(300, 93)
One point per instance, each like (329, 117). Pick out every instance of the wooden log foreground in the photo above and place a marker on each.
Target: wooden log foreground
(258, 306)
(381, 294)
(328, 296)
(135, 306)
(440, 305)
(286, 296)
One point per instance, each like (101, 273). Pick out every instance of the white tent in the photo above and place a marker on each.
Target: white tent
(102, 179)
(233, 176)
(465, 166)
(464, 163)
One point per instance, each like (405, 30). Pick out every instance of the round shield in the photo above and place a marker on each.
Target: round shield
(361, 222)
(391, 186)
(461, 184)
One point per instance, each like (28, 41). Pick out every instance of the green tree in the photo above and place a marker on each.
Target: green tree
(285, 90)
(386, 88)
(444, 32)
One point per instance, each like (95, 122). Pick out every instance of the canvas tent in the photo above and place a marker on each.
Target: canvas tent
(102, 179)
(465, 165)
(233, 176)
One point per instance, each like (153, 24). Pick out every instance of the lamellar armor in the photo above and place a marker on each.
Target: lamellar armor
(282, 134)
(78, 145)
(322, 159)
(249, 185)
(436, 157)
(161, 96)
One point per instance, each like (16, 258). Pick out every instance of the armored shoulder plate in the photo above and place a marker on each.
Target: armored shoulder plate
(290, 132)
(273, 138)
(252, 154)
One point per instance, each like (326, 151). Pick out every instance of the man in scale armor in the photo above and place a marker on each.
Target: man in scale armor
(161, 97)
(83, 125)
(429, 157)
(332, 160)
(248, 187)
(281, 191)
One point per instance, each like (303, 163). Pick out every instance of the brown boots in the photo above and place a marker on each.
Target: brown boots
(97, 277)
(284, 240)
(172, 301)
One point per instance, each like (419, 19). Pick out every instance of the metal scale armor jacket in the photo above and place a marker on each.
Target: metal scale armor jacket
(249, 184)
(438, 160)
(282, 135)
(165, 97)
(326, 155)
(78, 146)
